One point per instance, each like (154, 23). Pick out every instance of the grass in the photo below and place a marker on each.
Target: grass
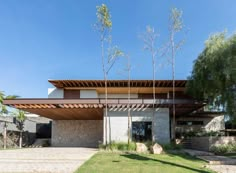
(110, 162)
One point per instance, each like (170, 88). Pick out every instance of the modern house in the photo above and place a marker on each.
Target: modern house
(77, 108)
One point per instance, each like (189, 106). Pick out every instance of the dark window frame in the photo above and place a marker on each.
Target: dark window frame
(141, 131)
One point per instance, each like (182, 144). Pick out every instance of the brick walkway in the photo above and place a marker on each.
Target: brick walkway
(44, 160)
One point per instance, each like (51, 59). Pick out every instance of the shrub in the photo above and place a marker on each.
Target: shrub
(113, 146)
(119, 146)
(148, 144)
(172, 146)
(222, 149)
(102, 146)
(202, 133)
(132, 146)
(122, 146)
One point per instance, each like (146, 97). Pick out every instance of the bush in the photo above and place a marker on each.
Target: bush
(172, 146)
(122, 146)
(132, 146)
(148, 144)
(102, 146)
(222, 149)
(119, 146)
(202, 133)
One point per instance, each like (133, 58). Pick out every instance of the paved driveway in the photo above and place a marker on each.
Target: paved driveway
(44, 160)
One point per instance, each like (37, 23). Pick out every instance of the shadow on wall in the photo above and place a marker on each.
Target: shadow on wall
(13, 138)
(44, 130)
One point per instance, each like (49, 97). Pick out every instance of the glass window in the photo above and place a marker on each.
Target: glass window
(189, 123)
(141, 131)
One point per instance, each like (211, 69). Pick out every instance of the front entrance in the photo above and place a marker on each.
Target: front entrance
(142, 131)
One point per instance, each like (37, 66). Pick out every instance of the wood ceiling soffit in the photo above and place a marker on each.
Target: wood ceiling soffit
(74, 83)
(64, 84)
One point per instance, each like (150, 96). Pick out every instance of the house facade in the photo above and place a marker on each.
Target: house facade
(78, 110)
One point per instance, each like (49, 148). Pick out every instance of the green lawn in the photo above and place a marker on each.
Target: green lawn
(105, 162)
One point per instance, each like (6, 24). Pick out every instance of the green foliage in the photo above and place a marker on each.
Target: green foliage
(148, 144)
(176, 19)
(119, 146)
(132, 146)
(102, 146)
(103, 16)
(172, 146)
(213, 76)
(20, 117)
(3, 108)
(222, 149)
(202, 133)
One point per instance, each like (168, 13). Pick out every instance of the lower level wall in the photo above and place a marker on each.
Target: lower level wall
(205, 143)
(119, 124)
(76, 133)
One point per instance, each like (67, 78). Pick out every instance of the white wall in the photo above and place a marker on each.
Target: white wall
(119, 124)
(55, 93)
(88, 94)
(118, 96)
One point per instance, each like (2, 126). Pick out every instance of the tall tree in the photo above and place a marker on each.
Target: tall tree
(20, 117)
(126, 72)
(150, 39)
(213, 76)
(3, 112)
(129, 115)
(127, 69)
(175, 26)
(109, 54)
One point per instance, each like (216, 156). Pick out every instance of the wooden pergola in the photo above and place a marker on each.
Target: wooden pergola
(116, 83)
(84, 109)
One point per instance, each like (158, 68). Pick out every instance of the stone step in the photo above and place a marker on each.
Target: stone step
(218, 160)
(198, 153)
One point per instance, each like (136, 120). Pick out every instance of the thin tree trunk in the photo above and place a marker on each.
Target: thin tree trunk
(5, 135)
(154, 97)
(20, 141)
(129, 130)
(109, 120)
(173, 80)
(104, 73)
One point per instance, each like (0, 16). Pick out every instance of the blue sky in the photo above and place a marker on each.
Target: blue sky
(51, 39)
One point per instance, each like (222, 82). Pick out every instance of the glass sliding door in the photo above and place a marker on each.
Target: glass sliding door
(141, 131)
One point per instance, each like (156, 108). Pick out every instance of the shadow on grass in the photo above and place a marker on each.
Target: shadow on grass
(143, 158)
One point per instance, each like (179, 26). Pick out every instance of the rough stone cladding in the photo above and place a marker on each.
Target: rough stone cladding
(77, 133)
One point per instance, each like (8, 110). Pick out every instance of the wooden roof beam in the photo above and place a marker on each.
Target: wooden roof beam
(141, 107)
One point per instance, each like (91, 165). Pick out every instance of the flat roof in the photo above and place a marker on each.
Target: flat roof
(89, 109)
(116, 83)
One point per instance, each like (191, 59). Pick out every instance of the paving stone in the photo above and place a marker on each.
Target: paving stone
(44, 160)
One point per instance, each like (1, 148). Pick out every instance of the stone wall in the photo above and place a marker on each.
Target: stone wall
(76, 133)
(205, 143)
